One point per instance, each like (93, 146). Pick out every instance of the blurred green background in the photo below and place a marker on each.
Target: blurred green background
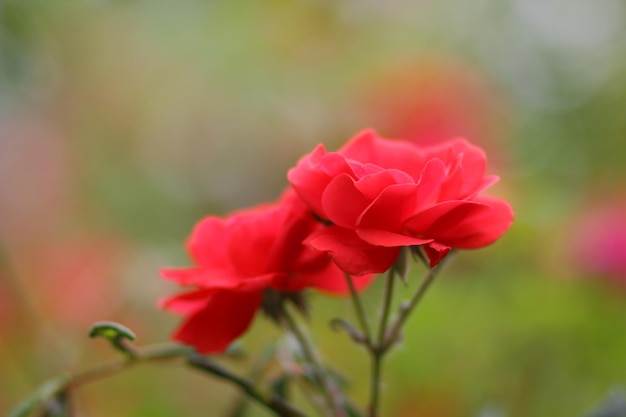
(124, 122)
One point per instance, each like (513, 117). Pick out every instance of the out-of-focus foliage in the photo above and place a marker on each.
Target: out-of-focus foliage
(123, 122)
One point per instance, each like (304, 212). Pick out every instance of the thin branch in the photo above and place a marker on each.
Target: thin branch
(326, 383)
(259, 367)
(58, 387)
(407, 307)
(360, 312)
(273, 402)
(378, 351)
(147, 354)
(382, 329)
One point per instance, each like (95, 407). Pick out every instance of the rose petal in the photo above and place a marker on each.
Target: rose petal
(436, 252)
(389, 239)
(342, 202)
(201, 276)
(186, 303)
(251, 236)
(464, 224)
(226, 315)
(373, 184)
(329, 279)
(367, 146)
(391, 208)
(431, 178)
(210, 279)
(313, 173)
(351, 253)
(207, 244)
(467, 164)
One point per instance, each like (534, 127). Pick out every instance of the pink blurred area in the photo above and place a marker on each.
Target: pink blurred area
(54, 269)
(433, 100)
(72, 281)
(35, 179)
(598, 246)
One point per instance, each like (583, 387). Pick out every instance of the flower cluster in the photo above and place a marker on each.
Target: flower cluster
(347, 212)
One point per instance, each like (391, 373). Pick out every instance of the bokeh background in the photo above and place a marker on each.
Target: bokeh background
(123, 122)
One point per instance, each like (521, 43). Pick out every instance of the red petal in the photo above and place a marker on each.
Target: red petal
(342, 202)
(227, 314)
(186, 303)
(251, 236)
(313, 173)
(373, 184)
(333, 281)
(391, 208)
(389, 239)
(201, 277)
(464, 224)
(467, 164)
(436, 252)
(208, 241)
(431, 178)
(351, 253)
(368, 147)
(329, 279)
(209, 279)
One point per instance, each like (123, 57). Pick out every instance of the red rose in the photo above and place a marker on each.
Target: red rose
(239, 257)
(380, 195)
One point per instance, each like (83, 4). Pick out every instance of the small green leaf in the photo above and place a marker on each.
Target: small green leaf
(117, 334)
(111, 330)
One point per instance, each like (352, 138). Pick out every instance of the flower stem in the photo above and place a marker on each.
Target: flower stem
(375, 384)
(273, 403)
(259, 367)
(407, 307)
(360, 312)
(325, 382)
(58, 387)
(386, 306)
(148, 354)
(377, 351)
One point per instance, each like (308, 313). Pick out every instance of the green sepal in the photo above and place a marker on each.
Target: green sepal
(401, 266)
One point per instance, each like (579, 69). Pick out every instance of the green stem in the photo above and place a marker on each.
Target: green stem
(274, 403)
(59, 386)
(259, 367)
(407, 307)
(360, 312)
(378, 351)
(377, 359)
(325, 382)
(148, 354)
(382, 329)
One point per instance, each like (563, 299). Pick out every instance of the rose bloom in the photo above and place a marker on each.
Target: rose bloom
(379, 195)
(238, 258)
